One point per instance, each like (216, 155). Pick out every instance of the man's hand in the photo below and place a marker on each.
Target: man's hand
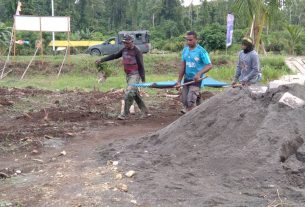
(97, 62)
(178, 85)
(197, 78)
(244, 83)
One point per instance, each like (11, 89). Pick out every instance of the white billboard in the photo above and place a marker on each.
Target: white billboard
(43, 24)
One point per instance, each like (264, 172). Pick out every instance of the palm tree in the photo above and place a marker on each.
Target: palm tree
(295, 36)
(5, 36)
(259, 13)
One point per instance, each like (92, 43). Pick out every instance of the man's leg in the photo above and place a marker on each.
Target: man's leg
(184, 93)
(130, 94)
(140, 103)
(192, 96)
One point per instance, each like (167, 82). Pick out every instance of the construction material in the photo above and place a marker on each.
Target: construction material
(206, 81)
(232, 150)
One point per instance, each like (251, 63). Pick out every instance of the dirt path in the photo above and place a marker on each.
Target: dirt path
(74, 179)
(49, 141)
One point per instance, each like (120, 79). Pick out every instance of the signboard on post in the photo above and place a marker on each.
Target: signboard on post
(42, 24)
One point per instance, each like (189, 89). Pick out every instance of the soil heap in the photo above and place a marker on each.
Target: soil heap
(235, 149)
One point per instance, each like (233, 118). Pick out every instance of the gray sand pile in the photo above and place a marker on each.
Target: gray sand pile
(233, 150)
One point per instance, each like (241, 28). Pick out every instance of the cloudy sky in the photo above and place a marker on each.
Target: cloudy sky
(187, 2)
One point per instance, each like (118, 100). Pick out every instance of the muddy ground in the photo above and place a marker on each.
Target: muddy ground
(49, 142)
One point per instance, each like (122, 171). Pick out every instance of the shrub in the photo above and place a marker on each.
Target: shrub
(213, 37)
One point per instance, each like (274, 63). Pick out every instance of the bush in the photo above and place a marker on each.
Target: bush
(213, 37)
(98, 36)
(275, 47)
(238, 35)
(299, 49)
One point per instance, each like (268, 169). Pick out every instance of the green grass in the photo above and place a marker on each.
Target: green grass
(82, 72)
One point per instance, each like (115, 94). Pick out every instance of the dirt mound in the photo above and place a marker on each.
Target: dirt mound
(234, 150)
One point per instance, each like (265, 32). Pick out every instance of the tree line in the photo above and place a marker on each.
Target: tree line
(167, 20)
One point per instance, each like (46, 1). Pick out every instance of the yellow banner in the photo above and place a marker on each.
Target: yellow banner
(64, 43)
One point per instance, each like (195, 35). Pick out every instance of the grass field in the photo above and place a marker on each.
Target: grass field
(79, 71)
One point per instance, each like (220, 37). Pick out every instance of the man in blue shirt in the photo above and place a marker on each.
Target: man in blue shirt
(195, 62)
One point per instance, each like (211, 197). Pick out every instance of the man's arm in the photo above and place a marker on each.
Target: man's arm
(238, 71)
(181, 73)
(204, 70)
(139, 58)
(207, 65)
(110, 57)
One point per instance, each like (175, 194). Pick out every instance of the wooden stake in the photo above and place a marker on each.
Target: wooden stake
(14, 41)
(41, 43)
(29, 64)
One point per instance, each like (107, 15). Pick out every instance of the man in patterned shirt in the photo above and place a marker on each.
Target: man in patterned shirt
(132, 60)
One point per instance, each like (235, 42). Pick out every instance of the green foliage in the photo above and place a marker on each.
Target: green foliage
(97, 36)
(5, 37)
(83, 74)
(85, 34)
(213, 37)
(299, 49)
(168, 29)
(269, 74)
(105, 69)
(274, 62)
(223, 60)
(167, 20)
(295, 36)
(238, 35)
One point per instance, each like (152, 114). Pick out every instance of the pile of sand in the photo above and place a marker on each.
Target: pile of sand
(236, 149)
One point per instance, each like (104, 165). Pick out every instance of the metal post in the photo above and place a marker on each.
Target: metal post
(53, 34)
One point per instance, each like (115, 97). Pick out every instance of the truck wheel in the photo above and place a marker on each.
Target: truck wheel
(95, 52)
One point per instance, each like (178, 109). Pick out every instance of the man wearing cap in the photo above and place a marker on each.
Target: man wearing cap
(248, 66)
(132, 60)
(195, 62)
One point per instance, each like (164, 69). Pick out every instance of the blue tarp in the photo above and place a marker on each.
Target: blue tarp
(209, 82)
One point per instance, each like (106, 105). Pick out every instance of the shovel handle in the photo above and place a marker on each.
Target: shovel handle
(188, 83)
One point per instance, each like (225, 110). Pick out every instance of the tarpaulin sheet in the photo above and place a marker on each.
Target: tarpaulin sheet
(208, 82)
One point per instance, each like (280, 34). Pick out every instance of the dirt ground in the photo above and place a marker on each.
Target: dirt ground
(49, 142)
(236, 149)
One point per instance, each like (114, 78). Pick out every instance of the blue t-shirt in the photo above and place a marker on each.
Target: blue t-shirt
(195, 60)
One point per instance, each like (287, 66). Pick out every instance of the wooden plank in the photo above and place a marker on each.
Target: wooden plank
(291, 66)
(301, 64)
(298, 66)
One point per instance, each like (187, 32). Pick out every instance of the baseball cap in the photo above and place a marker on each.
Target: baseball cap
(248, 40)
(128, 38)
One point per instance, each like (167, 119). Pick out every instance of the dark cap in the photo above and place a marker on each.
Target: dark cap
(128, 38)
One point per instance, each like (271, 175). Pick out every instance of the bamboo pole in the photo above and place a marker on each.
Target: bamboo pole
(41, 43)
(8, 55)
(14, 41)
(29, 63)
(62, 64)
(69, 51)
